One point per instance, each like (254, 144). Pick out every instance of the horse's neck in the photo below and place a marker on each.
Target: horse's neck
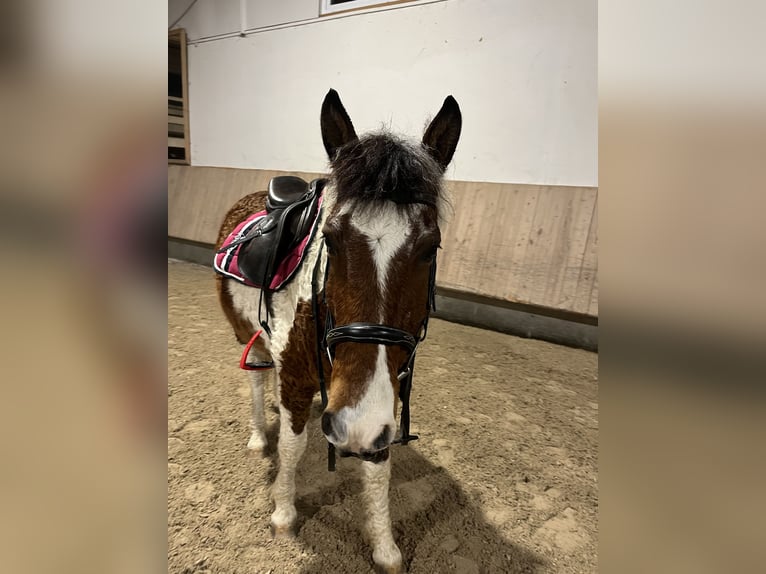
(328, 202)
(299, 291)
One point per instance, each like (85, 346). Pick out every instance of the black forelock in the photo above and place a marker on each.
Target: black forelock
(381, 166)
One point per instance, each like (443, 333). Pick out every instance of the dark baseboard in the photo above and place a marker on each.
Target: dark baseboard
(522, 323)
(521, 320)
(201, 253)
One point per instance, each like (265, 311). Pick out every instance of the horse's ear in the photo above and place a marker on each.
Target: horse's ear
(442, 134)
(337, 129)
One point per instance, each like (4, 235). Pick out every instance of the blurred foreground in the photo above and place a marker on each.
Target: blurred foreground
(682, 142)
(82, 292)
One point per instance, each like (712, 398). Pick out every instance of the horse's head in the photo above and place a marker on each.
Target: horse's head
(381, 236)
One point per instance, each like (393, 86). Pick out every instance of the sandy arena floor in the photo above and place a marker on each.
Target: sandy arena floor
(502, 480)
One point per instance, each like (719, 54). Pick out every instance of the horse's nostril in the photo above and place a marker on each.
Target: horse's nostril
(383, 440)
(327, 423)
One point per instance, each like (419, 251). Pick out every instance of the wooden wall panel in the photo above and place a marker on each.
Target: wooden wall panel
(527, 244)
(199, 197)
(523, 243)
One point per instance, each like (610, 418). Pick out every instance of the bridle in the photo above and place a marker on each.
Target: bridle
(370, 333)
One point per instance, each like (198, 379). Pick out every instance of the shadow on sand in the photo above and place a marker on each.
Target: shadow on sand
(437, 525)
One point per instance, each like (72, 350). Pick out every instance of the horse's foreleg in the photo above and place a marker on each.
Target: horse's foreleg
(291, 448)
(257, 440)
(385, 553)
(258, 380)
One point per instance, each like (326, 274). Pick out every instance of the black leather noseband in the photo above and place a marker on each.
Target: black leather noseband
(369, 333)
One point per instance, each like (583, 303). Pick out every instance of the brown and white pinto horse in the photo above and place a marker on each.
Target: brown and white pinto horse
(380, 225)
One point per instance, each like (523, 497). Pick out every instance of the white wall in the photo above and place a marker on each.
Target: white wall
(213, 17)
(523, 72)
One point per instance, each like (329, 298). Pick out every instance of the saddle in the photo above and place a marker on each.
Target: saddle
(269, 251)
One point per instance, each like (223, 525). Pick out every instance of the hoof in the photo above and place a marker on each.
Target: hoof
(256, 445)
(282, 532)
(256, 452)
(387, 559)
(398, 569)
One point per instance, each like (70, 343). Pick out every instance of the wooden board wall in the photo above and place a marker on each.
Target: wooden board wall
(529, 244)
(199, 197)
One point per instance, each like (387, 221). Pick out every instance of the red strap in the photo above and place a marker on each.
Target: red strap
(243, 361)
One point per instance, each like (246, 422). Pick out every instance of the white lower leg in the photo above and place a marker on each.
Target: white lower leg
(291, 448)
(385, 553)
(257, 440)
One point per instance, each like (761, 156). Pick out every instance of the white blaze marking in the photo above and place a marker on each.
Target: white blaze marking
(364, 422)
(386, 234)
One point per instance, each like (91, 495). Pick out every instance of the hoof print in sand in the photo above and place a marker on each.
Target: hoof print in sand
(201, 491)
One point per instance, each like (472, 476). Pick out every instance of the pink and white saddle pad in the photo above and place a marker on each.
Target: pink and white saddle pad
(226, 263)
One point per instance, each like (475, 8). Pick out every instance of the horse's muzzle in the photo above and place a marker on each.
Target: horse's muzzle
(376, 457)
(347, 440)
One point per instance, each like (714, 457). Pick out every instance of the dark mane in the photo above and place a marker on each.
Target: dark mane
(381, 166)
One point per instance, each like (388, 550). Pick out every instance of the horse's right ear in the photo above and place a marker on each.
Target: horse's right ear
(442, 134)
(337, 129)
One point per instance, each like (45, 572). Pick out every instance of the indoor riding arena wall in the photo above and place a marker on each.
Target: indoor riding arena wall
(520, 250)
(526, 251)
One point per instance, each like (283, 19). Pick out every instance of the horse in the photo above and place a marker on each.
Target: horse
(376, 245)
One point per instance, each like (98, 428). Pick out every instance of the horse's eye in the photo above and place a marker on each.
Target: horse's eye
(430, 253)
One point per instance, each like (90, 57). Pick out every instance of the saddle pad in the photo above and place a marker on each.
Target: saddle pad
(226, 263)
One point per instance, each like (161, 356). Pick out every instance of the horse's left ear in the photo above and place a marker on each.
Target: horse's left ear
(337, 129)
(442, 134)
